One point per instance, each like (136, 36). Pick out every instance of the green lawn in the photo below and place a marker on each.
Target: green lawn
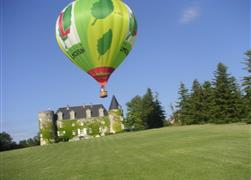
(202, 152)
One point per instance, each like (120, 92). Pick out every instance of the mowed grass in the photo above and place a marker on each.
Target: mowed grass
(201, 152)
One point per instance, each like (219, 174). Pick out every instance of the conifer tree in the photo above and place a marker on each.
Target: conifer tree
(196, 101)
(158, 114)
(208, 104)
(226, 96)
(144, 112)
(236, 114)
(246, 83)
(148, 109)
(183, 105)
(154, 114)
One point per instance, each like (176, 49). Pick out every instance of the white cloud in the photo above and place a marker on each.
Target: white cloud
(190, 14)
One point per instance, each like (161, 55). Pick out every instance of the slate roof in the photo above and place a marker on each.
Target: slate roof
(114, 103)
(80, 111)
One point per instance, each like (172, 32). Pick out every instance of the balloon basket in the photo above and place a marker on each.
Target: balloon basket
(103, 93)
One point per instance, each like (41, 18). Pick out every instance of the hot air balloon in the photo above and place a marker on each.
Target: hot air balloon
(96, 35)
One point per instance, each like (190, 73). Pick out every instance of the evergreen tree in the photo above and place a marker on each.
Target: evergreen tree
(144, 112)
(236, 114)
(208, 104)
(148, 108)
(246, 83)
(226, 96)
(183, 105)
(196, 101)
(158, 114)
(134, 120)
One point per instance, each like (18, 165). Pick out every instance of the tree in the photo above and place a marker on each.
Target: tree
(144, 112)
(236, 98)
(148, 108)
(196, 115)
(226, 93)
(158, 114)
(246, 83)
(6, 142)
(35, 141)
(154, 114)
(183, 106)
(208, 104)
(134, 120)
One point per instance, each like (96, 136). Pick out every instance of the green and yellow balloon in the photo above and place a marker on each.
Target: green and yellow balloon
(96, 35)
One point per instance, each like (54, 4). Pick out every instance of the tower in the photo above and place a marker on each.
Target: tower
(115, 116)
(47, 127)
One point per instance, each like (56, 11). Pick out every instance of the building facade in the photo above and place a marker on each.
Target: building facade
(80, 122)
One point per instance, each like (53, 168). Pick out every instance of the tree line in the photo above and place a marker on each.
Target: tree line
(7, 143)
(220, 100)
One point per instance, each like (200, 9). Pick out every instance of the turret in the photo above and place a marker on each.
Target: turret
(115, 116)
(47, 127)
(114, 104)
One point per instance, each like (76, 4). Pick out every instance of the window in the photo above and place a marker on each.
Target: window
(101, 112)
(72, 115)
(60, 116)
(88, 113)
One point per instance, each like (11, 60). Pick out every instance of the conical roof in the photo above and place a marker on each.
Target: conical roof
(114, 103)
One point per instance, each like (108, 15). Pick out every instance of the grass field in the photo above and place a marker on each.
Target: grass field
(202, 152)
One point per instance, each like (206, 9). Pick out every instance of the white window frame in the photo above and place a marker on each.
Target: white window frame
(88, 113)
(101, 112)
(72, 115)
(60, 115)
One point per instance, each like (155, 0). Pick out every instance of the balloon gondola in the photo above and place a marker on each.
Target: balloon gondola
(103, 92)
(96, 35)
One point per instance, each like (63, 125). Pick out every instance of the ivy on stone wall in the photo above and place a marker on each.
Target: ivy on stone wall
(47, 131)
(117, 124)
(69, 129)
(92, 125)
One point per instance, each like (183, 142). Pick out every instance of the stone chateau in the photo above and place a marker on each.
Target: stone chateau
(80, 122)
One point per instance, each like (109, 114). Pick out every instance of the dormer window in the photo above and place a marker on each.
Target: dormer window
(72, 115)
(88, 113)
(101, 112)
(60, 116)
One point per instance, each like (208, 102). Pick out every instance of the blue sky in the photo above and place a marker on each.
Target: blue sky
(178, 41)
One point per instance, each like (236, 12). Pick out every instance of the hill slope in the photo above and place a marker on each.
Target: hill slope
(189, 152)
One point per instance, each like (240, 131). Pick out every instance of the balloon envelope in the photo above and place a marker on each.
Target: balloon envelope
(96, 35)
